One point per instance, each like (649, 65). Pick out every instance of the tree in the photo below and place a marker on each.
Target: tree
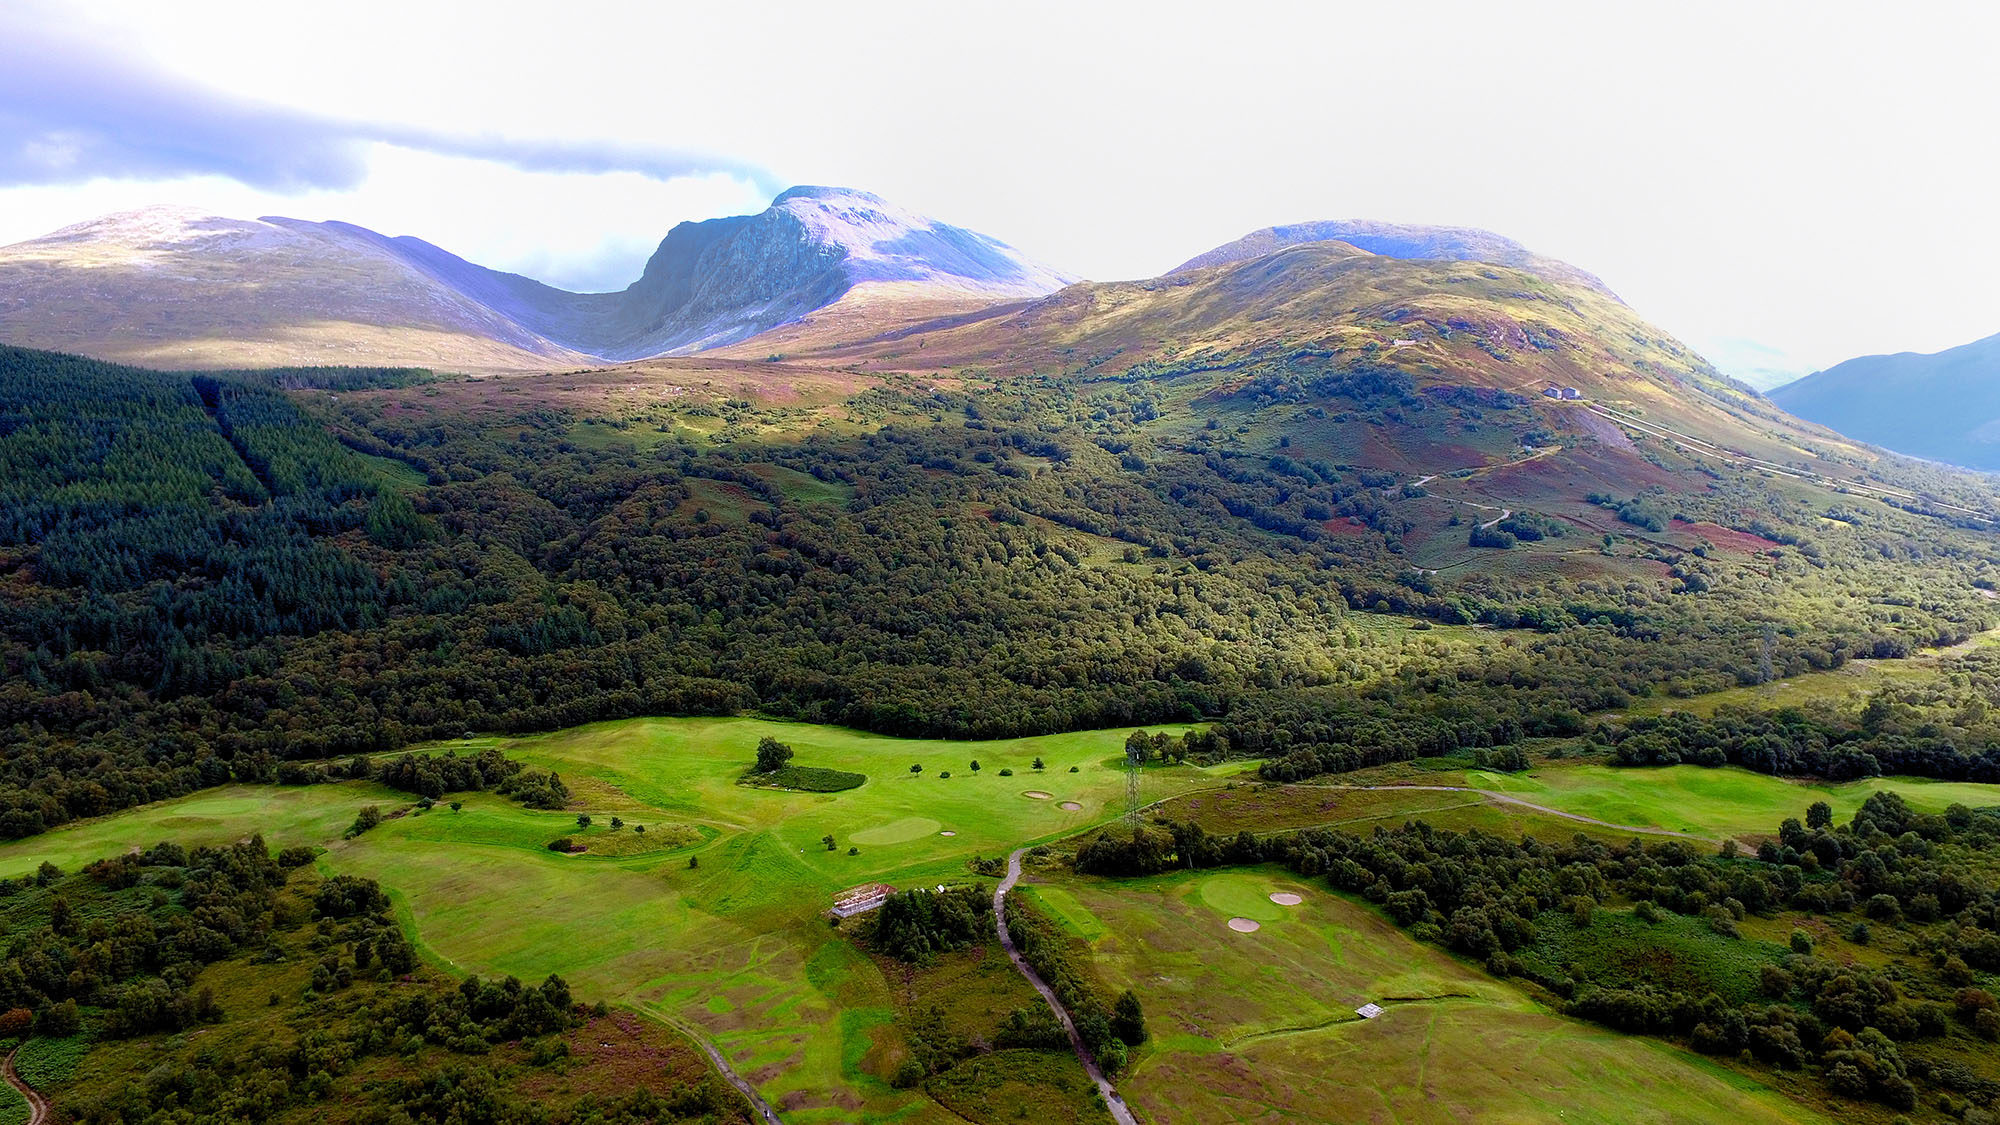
(772, 755)
(617, 822)
(975, 765)
(694, 861)
(583, 820)
(639, 828)
(918, 768)
(457, 805)
(1128, 1022)
(1819, 815)
(1038, 763)
(828, 841)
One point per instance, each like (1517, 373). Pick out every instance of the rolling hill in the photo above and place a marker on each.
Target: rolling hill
(1943, 406)
(171, 287)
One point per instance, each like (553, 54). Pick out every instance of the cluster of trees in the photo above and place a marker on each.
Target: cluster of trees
(1791, 743)
(916, 925)
(175, 912)
(119, 949)
(433, 775)
(1537, 911)
(223, 575)
(1106, 1025)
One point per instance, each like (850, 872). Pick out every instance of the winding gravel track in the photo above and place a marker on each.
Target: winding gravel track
(757, 1103)
(38, 1106)
(1112, 1101)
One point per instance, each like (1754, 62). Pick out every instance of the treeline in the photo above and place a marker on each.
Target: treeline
(1540, 912)
(1790, 743)
(434, 775)
(1107, 1026)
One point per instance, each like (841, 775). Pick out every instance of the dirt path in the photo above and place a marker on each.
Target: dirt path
(758, 1105)
(38, 1106)
(1112, 1101)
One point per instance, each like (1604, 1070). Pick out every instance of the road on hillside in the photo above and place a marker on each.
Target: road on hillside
(743, 1086)
(1109, 1092)
(38, 1106)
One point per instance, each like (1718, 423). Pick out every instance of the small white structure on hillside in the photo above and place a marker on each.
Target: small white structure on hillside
(861, 899)
(1368, 1011)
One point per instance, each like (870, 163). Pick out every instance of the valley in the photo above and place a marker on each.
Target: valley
(721, 932)
(849, 552)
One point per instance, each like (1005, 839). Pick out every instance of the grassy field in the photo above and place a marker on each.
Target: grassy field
(1261, 1027)
(285, 815)
(713, 918)
(1710, 802)
(736, 945)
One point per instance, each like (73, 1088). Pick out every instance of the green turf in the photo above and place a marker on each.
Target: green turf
(1261, 1026)
(1711, 802)
(285, 815)
(737, 946)
(714, 919)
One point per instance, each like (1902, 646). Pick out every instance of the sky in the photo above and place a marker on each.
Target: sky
(1781, 185)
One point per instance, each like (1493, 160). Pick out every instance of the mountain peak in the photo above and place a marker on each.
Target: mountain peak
(1398, 240)
(177, 284)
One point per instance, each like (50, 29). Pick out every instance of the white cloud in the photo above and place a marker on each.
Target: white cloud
(1816, 178)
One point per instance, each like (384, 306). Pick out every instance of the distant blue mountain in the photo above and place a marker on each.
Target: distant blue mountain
(1943, 407)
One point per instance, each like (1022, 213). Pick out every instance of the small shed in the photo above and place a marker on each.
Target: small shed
(1368, 1011)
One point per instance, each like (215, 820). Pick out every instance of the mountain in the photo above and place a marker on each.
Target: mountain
(1398, 240)
(1943, 407)
(174, 287)
(169, 286)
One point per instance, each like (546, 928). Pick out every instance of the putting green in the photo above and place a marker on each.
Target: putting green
(1237, 895)
(897, 831)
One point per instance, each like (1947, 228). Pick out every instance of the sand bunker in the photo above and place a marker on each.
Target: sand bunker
(1037, 795)
(1244, 926)
(1285, 898)
(947, 832)
(1072, 806)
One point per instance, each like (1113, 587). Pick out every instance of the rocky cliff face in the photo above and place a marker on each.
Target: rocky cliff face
(282, 290)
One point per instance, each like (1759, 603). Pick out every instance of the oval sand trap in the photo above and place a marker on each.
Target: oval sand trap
(1244, 926)
(1037, 795)
(1285, 898)
(1072, 806)
(947, 832)
(897, 831)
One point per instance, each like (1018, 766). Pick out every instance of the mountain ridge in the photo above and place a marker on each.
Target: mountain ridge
(282, 290)
(1941, 406)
